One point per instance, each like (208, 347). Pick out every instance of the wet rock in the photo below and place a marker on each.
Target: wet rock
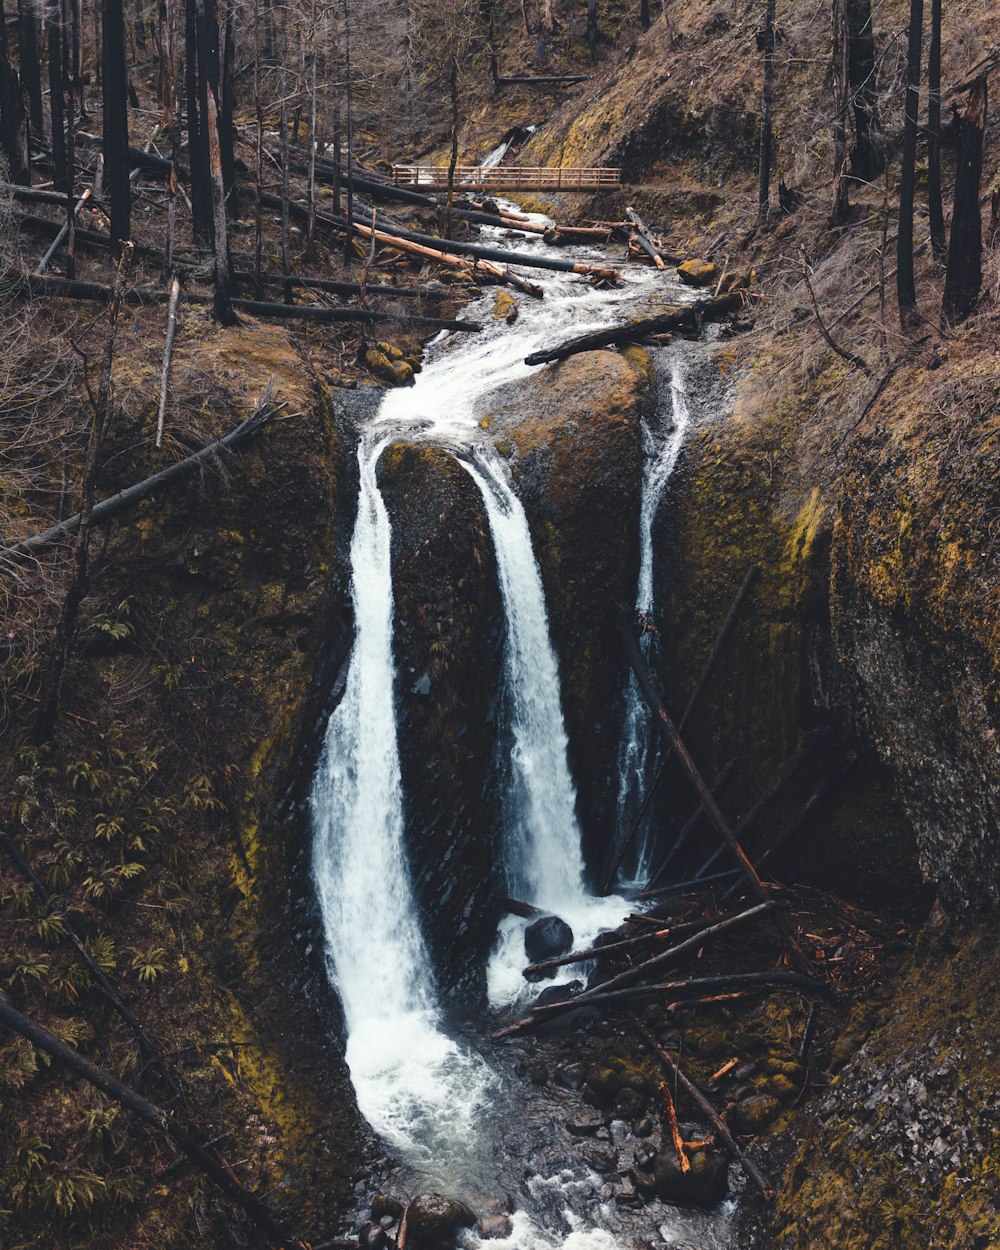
(372, 1237)
(602, 1086)
(600, 976)
(697, 272)
(644, 1182)
(548, 937)
(570, 1076)
(642, 1128)
(754, 1114)
(703, 1185)
(383, 1205)
(780, 1087)
(629, 1103)
(433, 1218)
(538, 1074)
(559, 993)
(645, 1157)
(492, 1227)
(601, 1160)
(586, 1123)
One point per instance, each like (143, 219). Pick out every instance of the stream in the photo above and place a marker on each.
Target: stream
(454, 1108)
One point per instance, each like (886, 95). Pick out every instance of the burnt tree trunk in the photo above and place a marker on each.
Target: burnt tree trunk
(644, 14)
(592, 28)
(765, 41)
(906, 291)
(115, 97)
(867, 157)
(964, 275)
(227, 111)
(935, 206)
(201, 201)
(13, 119)
(30, 61)
(53, 25)
(842, 101)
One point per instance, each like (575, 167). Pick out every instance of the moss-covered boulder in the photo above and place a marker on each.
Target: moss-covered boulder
(697, 272)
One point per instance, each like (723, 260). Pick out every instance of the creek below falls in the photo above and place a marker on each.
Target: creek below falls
(456, 1111)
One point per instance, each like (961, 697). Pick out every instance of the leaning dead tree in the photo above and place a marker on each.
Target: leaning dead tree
(906, 290)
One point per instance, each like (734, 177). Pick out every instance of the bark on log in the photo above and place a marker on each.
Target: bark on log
(669, 729)
(162, 1122)
(696, 986)
(754, 1174)
(527, 911)
(129, 498)
(57, 242)
(680, 319)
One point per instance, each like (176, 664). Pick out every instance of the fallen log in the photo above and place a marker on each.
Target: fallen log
(753, 1173)
(548, 80)
(637, 971)
(687, 318)
(37, 195)
(662, 929)
(527, 911)
(163, 1123)
(670, 732)
(347, 288)
(65, 288)
(57, 242)
(682, 887)
(692, 703)
(644, 238)
(129, 498)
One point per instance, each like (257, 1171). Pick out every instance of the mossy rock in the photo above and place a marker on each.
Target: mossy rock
(697, 272)
(503, 305)
(755, 1114)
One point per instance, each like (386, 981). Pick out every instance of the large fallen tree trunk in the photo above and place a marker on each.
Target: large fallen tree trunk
(163, 1123)
(688, 318)
(349, 288)
(46, 285)
(129, 498)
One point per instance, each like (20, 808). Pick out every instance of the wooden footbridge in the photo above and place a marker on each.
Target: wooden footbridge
(508, 177)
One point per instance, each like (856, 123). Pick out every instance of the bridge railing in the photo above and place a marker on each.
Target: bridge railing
(508, 177)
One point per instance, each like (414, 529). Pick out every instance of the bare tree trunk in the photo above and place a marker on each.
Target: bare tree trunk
(286, 250)
(592, 26)
(226, 96)
(766, 40)
(644, 14)
(841, 94)
(201, 202)
(311, 187)
(115, 95)
(906, 291)
(453, 158)
(964, 275)
(70, 61)
(13, 119)
(258, 181)
(935, 205)
(30, 62)
(55, 37)
(52, 680)
(867, 157)
(349, 240)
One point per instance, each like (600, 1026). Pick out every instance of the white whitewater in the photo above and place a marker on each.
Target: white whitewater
(414, 1085)
(639, 747)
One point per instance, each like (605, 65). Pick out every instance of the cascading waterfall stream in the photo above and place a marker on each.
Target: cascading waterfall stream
(638, 753)
(414, 1085)
(428, 1095)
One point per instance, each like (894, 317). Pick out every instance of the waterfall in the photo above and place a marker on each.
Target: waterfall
(414, 1085)
(639, 745)
(543, 854)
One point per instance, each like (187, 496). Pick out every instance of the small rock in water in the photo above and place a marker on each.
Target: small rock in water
(435, 1218)
(492, 1227)
(645, 1157)
(372, 1237)
(538, 1074)
(642, 1128)
(600, 1159)
(629, 1103)
(547, 938)
(644, 1182)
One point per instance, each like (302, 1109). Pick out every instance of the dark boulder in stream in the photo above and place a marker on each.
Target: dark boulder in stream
(548, 937)
(433, 1219)
(703, 1185)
